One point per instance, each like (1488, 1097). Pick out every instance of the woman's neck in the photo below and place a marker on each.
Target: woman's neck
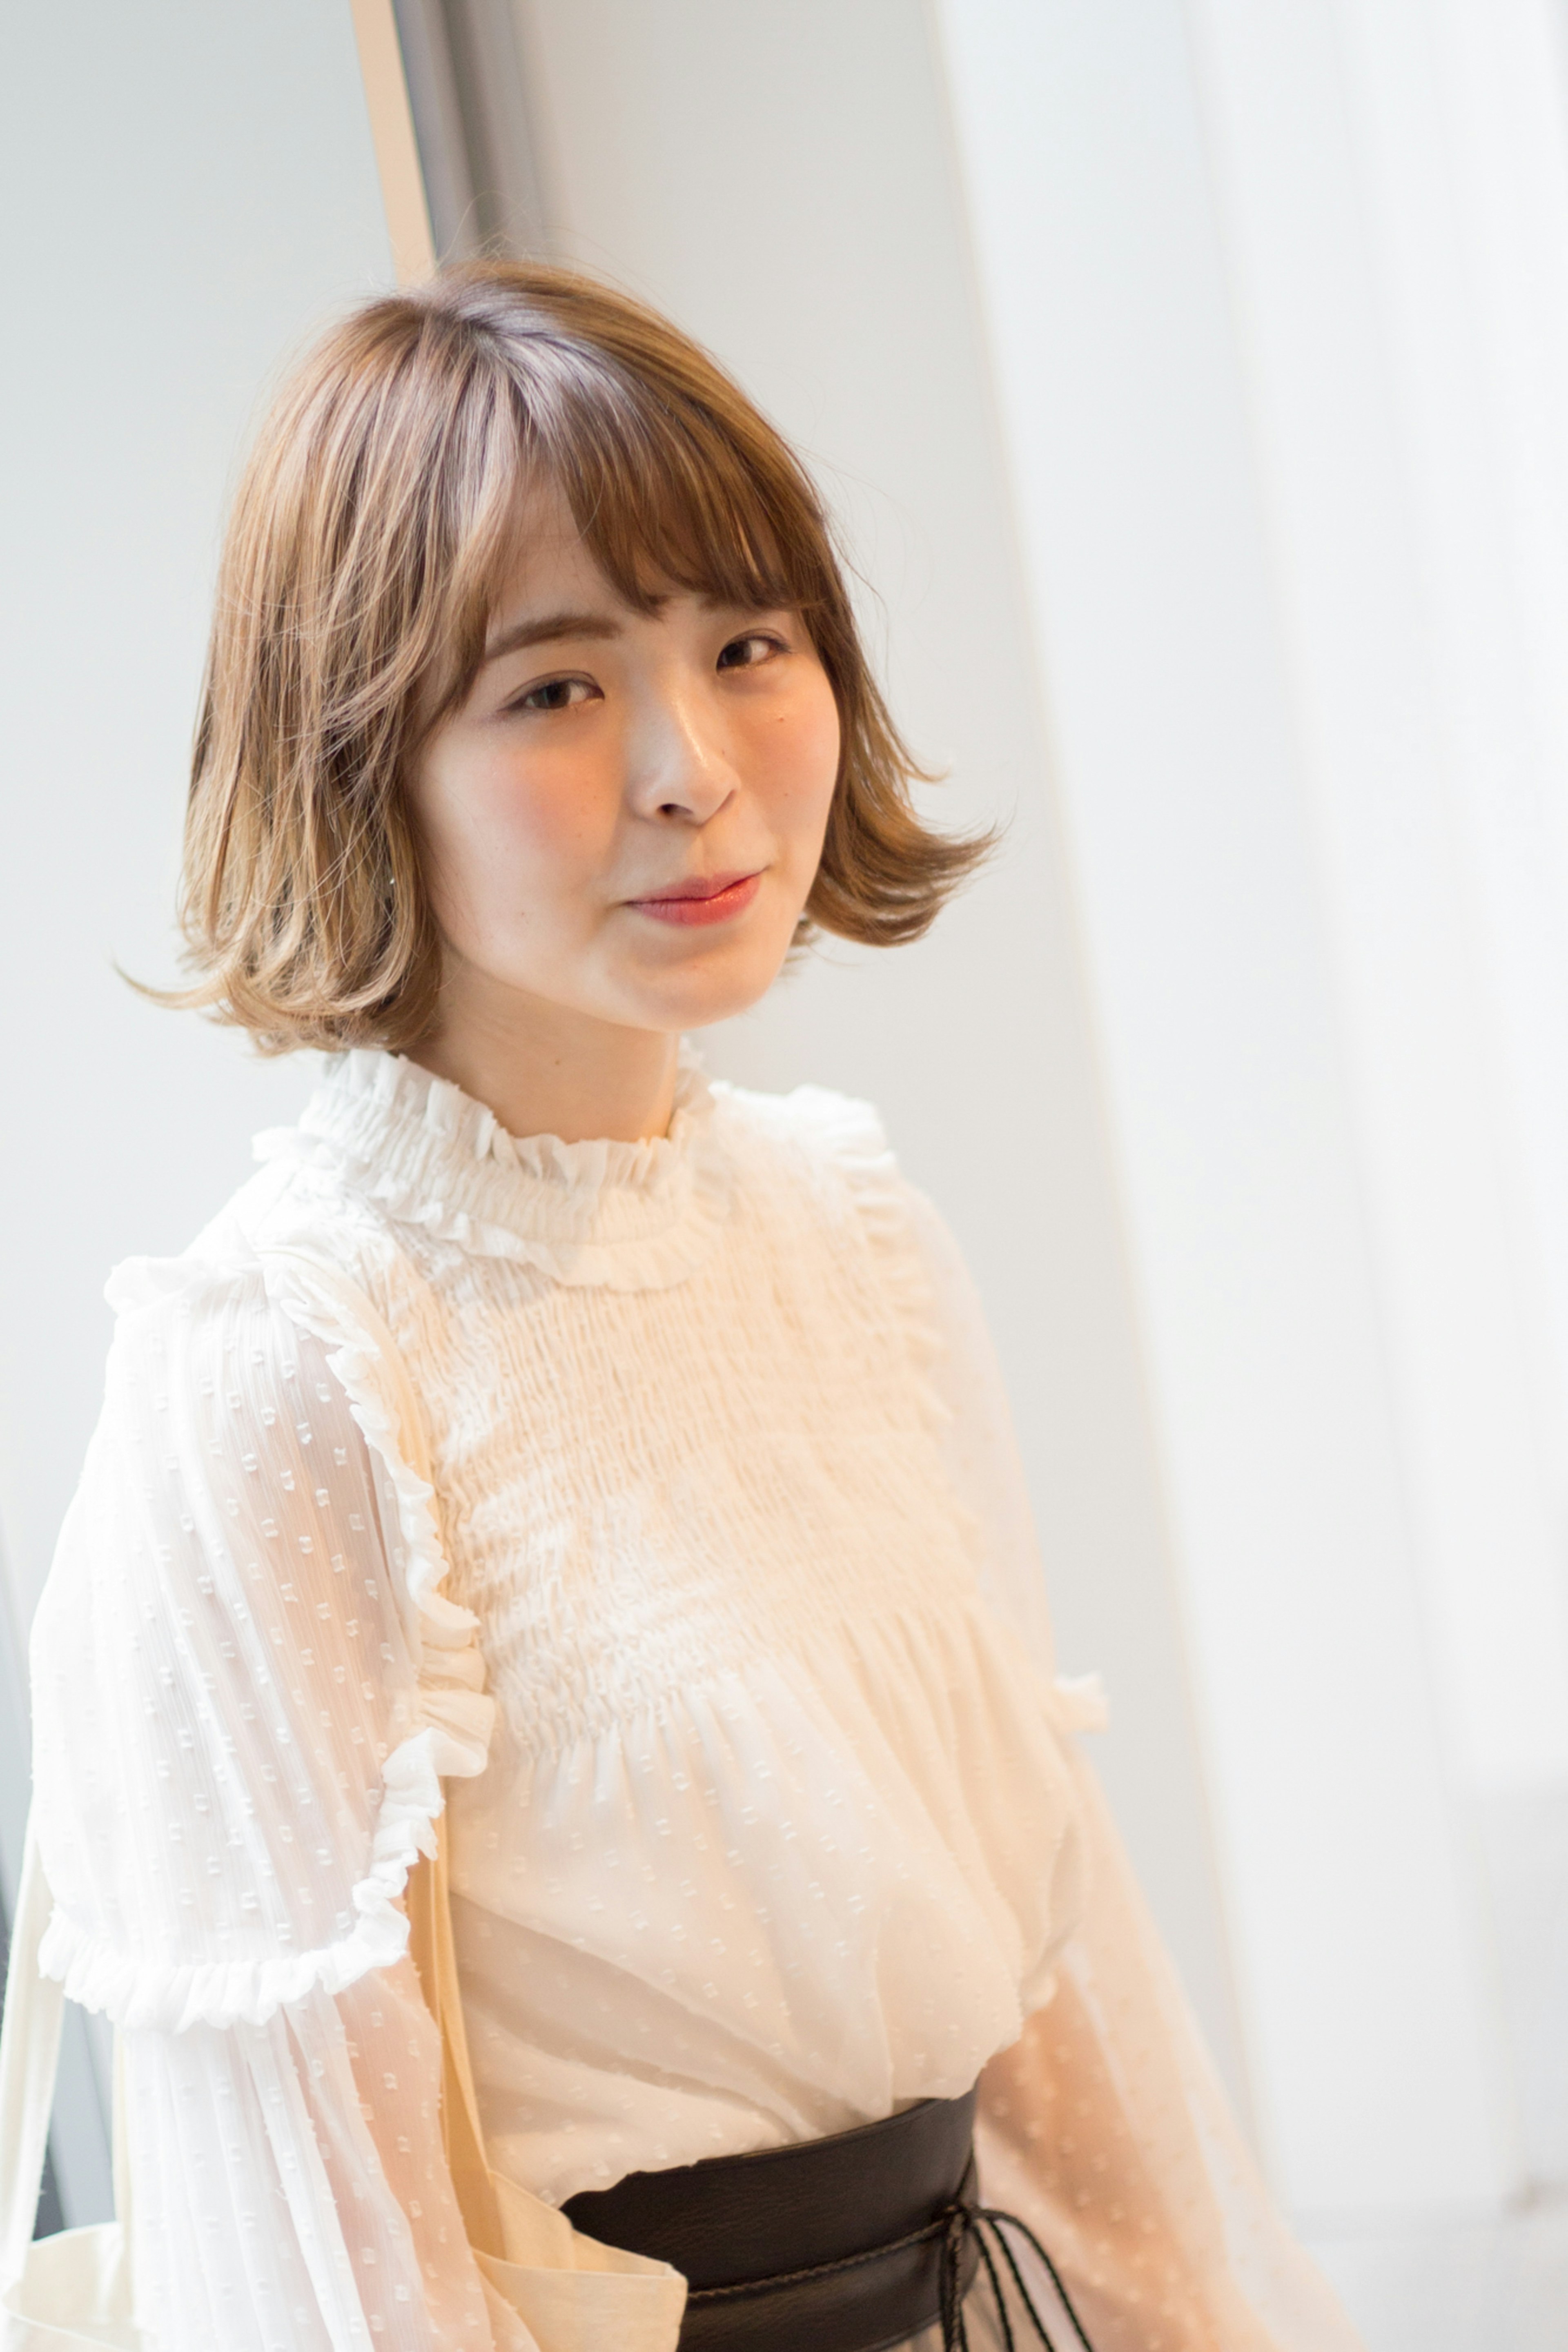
(543, 1069)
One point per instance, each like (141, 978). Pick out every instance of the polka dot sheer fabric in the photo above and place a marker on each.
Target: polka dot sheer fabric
(721, 1635)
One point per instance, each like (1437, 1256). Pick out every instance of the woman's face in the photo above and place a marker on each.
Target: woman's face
(623, 819)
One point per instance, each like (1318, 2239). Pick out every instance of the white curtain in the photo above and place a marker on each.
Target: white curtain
(1392, 178)
(1277, 299)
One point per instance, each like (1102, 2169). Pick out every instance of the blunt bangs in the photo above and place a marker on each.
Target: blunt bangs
(664, 501)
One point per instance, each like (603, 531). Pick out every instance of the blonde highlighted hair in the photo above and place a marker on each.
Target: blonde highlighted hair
(368, 543)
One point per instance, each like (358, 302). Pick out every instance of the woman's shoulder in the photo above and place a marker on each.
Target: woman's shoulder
(272, 1220)
(830, 1149)
(810, 1128)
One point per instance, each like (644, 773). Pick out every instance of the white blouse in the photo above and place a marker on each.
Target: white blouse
(722, 1628)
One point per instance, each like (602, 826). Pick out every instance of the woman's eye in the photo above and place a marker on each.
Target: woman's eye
(555, 694)
(745, 653)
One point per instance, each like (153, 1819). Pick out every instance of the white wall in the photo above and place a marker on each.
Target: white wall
(186, 190)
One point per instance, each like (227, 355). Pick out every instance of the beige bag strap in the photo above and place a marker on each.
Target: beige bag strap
(431, 1948)
(427, 1901)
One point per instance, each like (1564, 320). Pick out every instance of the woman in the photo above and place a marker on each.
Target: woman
(623, 1452)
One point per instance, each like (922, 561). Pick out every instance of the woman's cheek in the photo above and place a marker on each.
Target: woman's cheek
(797, 765)
(824, 734)
(548, 818)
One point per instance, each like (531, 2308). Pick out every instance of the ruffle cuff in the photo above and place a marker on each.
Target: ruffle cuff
(141, 1993)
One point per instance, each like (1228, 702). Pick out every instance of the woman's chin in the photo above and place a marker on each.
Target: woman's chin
(703, 989)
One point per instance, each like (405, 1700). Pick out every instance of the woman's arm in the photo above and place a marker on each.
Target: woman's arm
(289, 2188)
(1104, 2127)
(232, 1774)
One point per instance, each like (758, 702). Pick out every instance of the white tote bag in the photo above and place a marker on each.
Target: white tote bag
(59, 2294)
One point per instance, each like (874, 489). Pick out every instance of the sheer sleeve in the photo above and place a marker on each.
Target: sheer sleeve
(239, 1733)
(1105, 2127)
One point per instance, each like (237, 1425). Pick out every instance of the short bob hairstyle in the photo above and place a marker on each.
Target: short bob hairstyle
(369, 540)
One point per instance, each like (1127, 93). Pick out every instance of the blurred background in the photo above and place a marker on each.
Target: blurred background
(1190, 378)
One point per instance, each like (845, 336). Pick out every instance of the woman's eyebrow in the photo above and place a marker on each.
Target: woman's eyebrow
(549, 626)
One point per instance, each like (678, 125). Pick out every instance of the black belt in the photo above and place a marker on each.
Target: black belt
(851, 2243)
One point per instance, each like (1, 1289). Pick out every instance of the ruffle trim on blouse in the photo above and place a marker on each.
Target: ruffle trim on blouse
(619, 1216)
(169, 1997)
(443, 1635)
(453, 1723)
(1078, 1703)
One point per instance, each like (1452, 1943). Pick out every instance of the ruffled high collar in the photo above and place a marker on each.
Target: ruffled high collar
(628, 1216)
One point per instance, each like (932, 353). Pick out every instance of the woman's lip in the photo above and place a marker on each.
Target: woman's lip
(701, 902)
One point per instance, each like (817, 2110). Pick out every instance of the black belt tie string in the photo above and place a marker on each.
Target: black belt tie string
(984, 2226)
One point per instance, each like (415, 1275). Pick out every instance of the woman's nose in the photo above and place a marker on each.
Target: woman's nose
(678, 761)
